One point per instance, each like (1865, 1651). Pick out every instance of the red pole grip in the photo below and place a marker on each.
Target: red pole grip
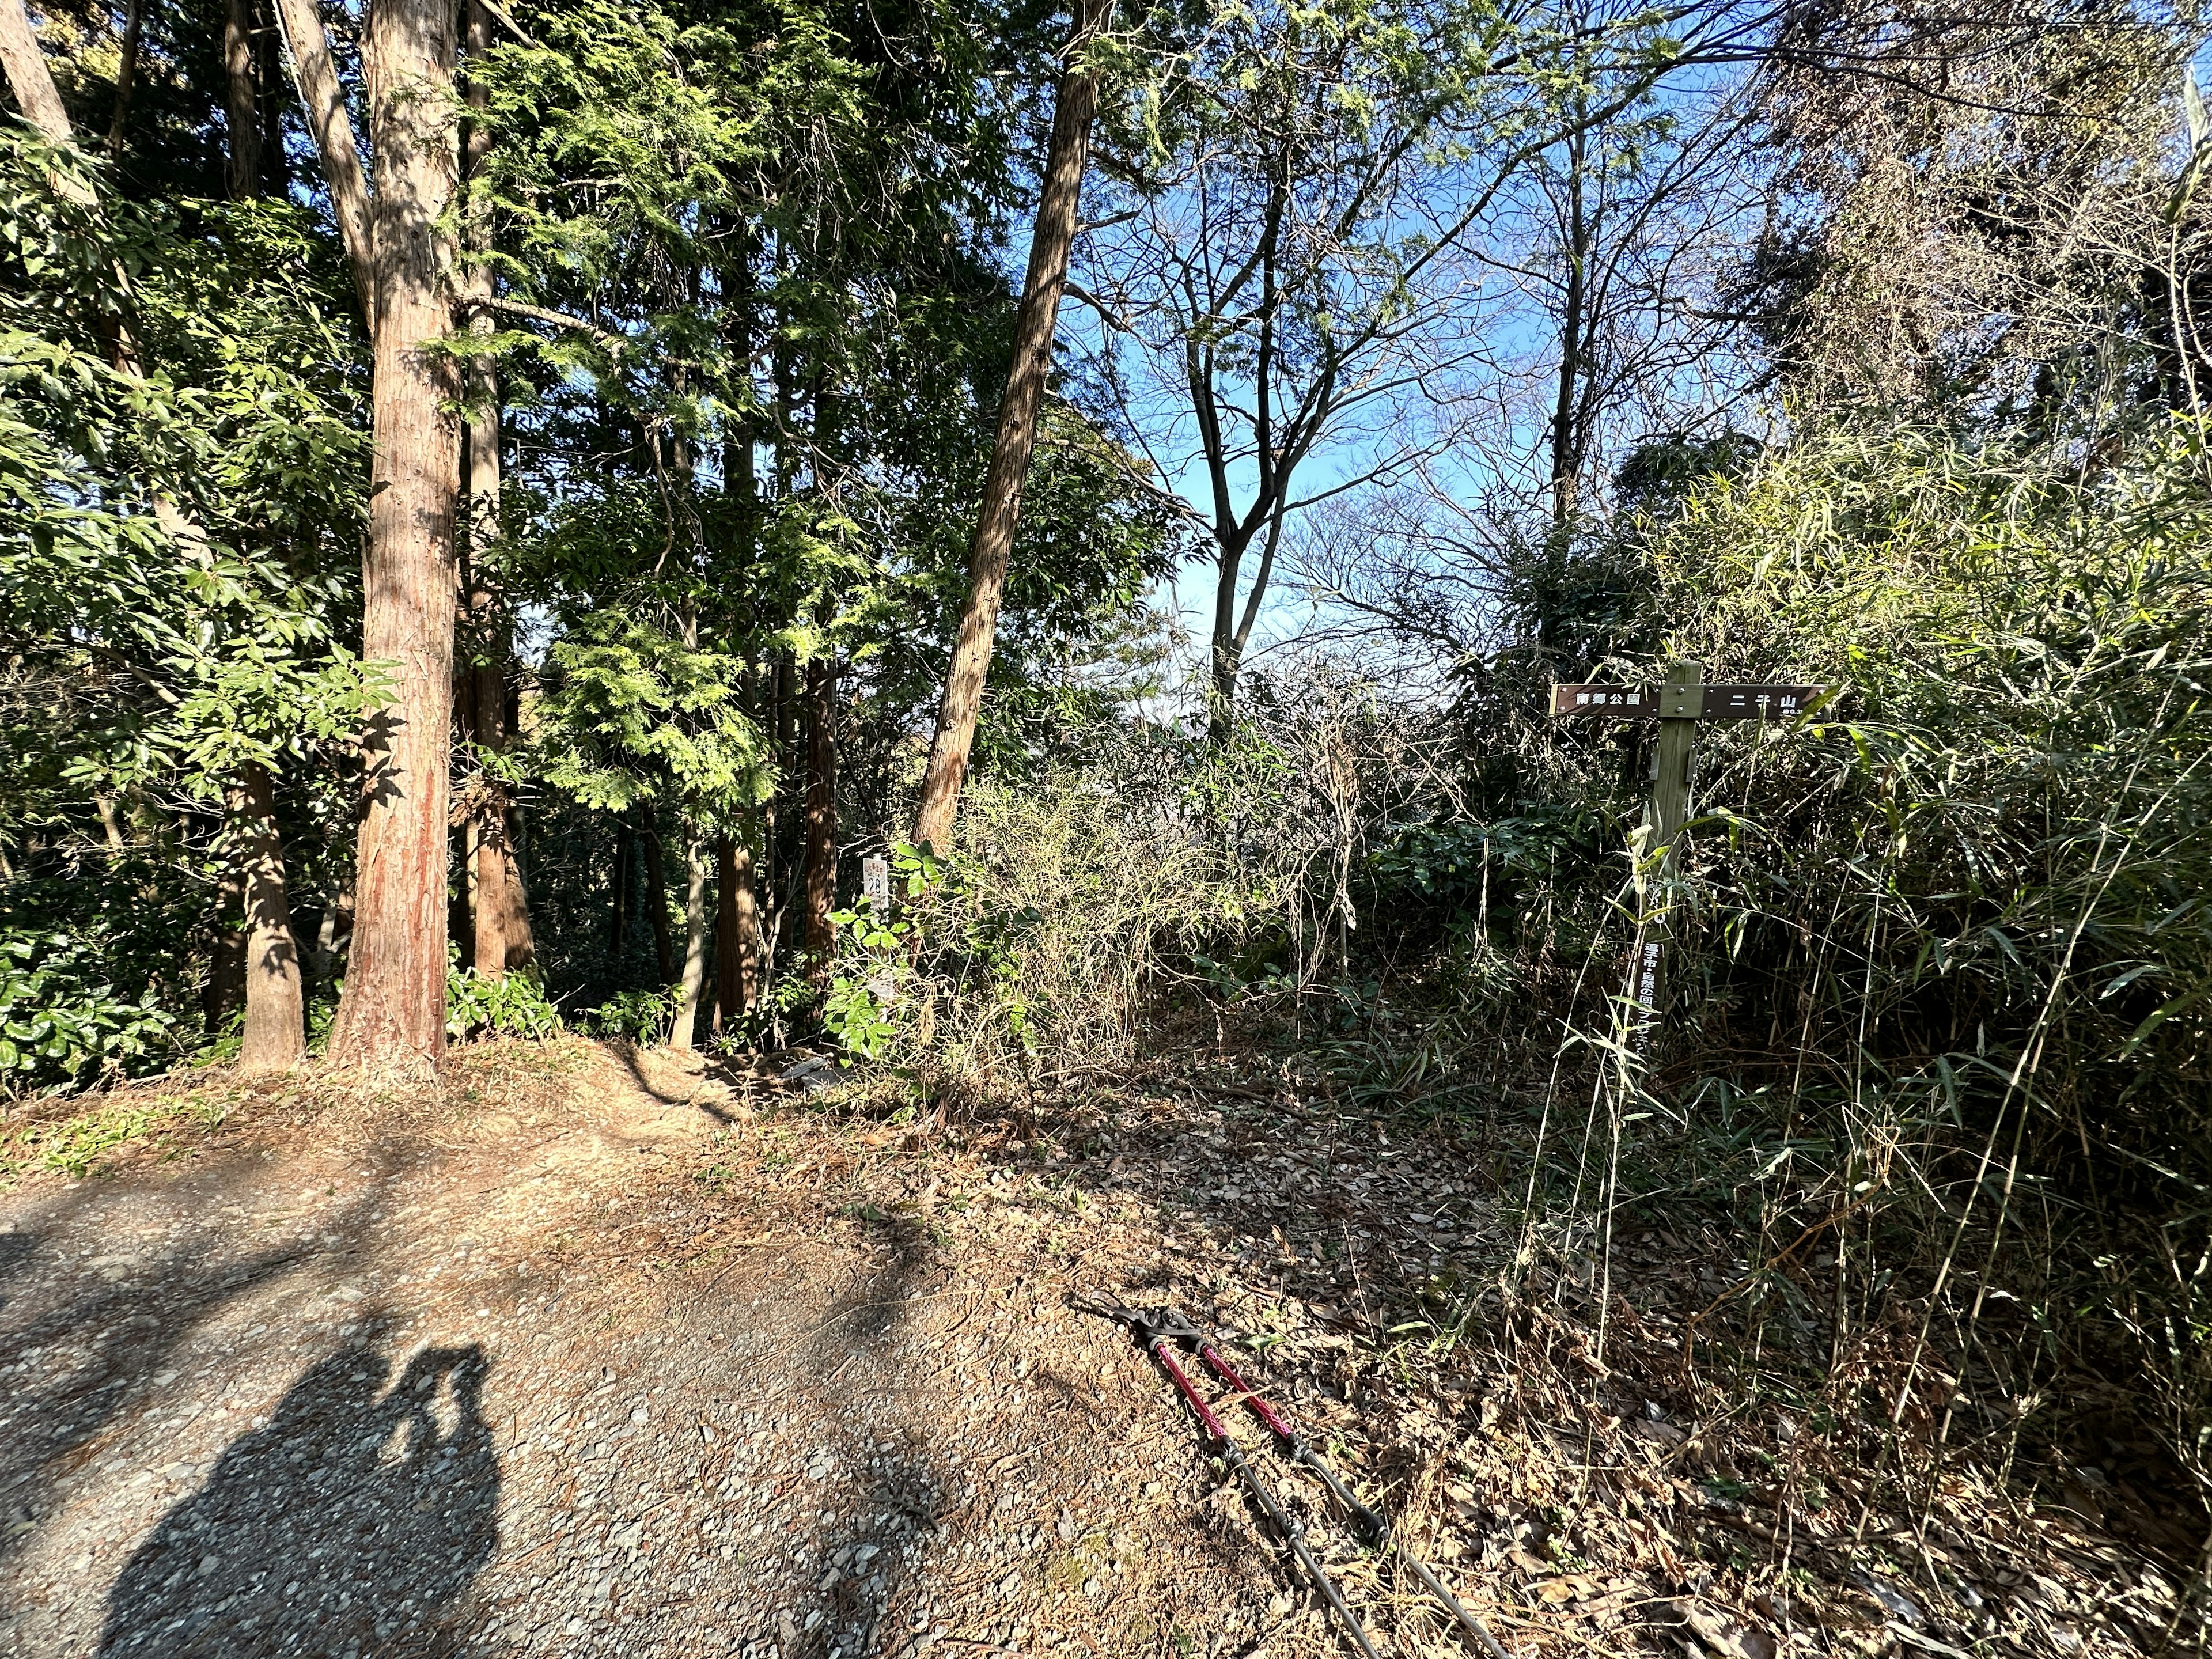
(1190, 1394)
(1268, 1412)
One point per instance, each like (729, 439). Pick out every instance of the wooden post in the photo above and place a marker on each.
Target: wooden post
(1681, 704)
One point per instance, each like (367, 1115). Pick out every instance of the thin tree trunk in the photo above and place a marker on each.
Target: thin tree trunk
(728, 999)
(461, 894)
(275, 1001)
(392, 1019)
(1067, 155)
(276, 1037)
(226, 983)
(498, 887)
(323, 102)
(275, 175)
(241, 104)
(820, 882)
(680, 1034)
(1566, 439)
(335, 933)
(656, 898)
(737, 965)
(1231, 535)
(521, 943)
(619, 925)
(126, 74)
(779, 868)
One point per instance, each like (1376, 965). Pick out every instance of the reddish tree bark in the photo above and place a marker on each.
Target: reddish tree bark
(1067, 153)
(392, 1019)
(502, 927)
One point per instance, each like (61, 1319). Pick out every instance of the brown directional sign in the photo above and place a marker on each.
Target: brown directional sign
(1758, 702)
(1685, 703)
(1620, 702)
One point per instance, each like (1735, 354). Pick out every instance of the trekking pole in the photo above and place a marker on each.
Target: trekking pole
(1370, 1522)
(1154, 1328)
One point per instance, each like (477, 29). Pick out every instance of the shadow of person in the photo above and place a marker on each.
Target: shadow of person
(355, 1523)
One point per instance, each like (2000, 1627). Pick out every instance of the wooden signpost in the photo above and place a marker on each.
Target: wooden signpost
(1678, 703)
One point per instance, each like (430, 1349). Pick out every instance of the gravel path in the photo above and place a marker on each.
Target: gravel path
(593, 1355)
(538, 1379)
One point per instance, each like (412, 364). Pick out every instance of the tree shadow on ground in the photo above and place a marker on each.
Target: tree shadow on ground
(355, 1523)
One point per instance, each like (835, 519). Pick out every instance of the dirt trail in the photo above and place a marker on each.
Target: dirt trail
(592, 1357)
(447, 1388)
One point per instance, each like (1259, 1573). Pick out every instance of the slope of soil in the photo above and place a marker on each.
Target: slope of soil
(595, 1354)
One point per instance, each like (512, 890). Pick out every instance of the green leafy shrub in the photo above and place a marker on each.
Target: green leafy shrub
(513, 1005)
(640, 1016)
(61, 1022)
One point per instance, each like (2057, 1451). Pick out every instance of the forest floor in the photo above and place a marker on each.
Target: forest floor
(594, 1353)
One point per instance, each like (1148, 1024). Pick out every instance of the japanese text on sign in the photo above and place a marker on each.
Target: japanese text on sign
(1710, 702)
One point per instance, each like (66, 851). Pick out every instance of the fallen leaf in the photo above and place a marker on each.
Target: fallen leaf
(1725, 1634)
(1568, 1587)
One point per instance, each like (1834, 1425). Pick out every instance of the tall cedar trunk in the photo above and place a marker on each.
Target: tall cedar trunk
(1065, 156)
(656, 898)
(241, 104)
(686, 1026)
(258, 878)
(500, 923)
(820, 882)
(275, 1002)
(392, 1019)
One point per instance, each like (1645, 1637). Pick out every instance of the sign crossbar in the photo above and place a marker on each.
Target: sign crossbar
(1684, 701)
